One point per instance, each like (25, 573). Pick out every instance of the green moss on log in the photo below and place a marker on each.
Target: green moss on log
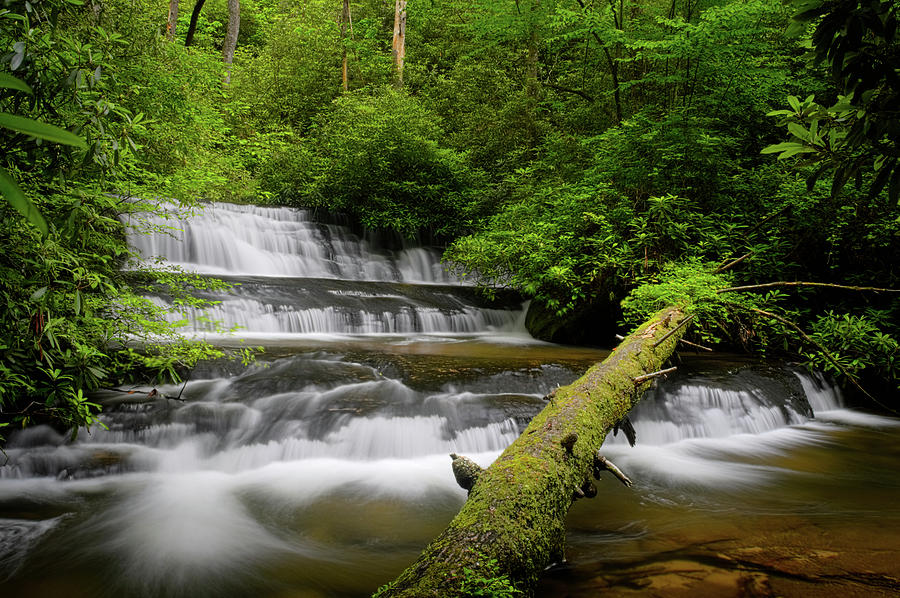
(515, 514)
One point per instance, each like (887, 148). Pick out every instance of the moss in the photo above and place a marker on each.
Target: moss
(515, 515)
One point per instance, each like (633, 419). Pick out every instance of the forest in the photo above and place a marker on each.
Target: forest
(602, 159)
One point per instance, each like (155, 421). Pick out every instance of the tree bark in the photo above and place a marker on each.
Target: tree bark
(192, 26)
(172, 21)
(399, 44)
(231, 35)
(514, 518)
(345, 19)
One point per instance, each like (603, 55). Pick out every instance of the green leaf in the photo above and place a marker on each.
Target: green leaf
(41, 130)
(781, 147)
(798, 130)
(22, 204)
(797, 150)
(10, 82)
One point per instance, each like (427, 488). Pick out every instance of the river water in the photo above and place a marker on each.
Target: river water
(323, 469)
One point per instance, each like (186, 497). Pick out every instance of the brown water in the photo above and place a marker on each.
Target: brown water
(825, 521)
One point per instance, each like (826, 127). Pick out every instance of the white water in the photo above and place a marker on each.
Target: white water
(258, 317)
(292, 260)
(231, 239)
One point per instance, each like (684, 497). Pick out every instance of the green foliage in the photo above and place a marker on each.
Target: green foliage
(72, 320)
(859, 345)
(857, 134)
(377, 157)
(574, 243)
(825, 137)
(488, 582)
(294, 75)
(718, 318)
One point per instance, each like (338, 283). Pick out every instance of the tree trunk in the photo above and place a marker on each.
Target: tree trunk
(399, 44)
(172, 21)
(345, 19)
(516, 511)
(192, 27)
(231, 35)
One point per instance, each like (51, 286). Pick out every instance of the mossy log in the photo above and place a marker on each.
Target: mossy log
(514, 518)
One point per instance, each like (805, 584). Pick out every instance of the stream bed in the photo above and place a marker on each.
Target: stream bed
(322, 470)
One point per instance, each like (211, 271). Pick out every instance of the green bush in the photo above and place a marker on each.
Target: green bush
(377, 157)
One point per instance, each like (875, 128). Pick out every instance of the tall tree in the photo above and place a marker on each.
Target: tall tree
(192, 27)
(231, 35)
(345, 20)
(172, 21)
(399, 45)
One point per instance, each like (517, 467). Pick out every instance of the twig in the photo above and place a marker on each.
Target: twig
(582, 94)
(183, 386)
(673, 331)
(768, 285)
(732, 263)
(824, 351)
(23, 411)
(753, 229)
(695, 345)
(641, 379)
(601, 462)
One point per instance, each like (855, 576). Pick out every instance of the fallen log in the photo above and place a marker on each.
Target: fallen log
(513, 523)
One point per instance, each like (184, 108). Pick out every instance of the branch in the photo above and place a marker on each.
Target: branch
(671, 332)
(695, 345)
(821, 348)
(601, 462)
(768, 285)
(732, 263)
(643, 378)
(577, 92)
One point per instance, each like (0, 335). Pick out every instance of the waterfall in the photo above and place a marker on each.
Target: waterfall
(246, 240)
(749, 402)
(327, 462)
(294, 276)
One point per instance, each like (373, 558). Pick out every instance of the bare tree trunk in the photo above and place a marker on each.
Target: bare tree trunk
(231, 35)
(514, 518)
(192, 27)
(345, 19)
(399, 44)
(172, 21)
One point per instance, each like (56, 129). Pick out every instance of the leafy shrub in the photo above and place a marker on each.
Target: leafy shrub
(858, 344)
(377, 156)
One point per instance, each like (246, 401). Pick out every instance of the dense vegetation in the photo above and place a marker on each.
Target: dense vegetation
(582, 152)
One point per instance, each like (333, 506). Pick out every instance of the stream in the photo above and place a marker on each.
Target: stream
(322, 469)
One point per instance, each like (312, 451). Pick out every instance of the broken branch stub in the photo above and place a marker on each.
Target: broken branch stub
(515, 514)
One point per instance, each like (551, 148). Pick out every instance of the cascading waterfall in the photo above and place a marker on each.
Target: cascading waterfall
(247, 240)
(324, 467)
(295, 276)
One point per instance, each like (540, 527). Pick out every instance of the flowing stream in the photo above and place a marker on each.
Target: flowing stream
(323, 469)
